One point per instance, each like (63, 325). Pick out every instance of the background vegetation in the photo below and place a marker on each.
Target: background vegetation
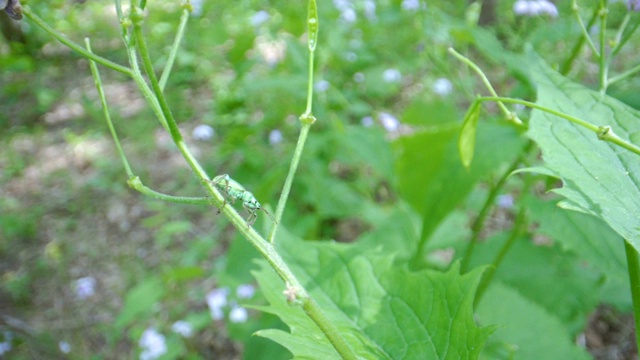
(92, 269)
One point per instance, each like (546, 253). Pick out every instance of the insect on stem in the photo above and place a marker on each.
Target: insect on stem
(232, 191)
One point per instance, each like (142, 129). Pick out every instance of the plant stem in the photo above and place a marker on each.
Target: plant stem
(625, 74)
(105, 110)
(604, 67)
(26, 10)
(284, 195)
(307, 119)
(566, 66)
(518, 228)
(265, 248)
(633, 266)
(135, 183)
(511, 116)
(176, 44)
(339, 343)
(585, 32)
(478, 223)
(603, 132)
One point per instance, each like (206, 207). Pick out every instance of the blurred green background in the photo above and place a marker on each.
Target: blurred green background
(89, 263)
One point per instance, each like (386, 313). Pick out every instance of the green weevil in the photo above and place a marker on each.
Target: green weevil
(232, 191)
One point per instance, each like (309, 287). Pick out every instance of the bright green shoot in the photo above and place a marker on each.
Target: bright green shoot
(232, 191)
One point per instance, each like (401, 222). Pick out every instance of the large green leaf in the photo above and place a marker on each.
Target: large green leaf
(599, 178)
(384, 312)
(592, 240)
(432, 178)
(527, 331)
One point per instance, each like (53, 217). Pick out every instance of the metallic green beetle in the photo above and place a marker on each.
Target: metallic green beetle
(232, 191)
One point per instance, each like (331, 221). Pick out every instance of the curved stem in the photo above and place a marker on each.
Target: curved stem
(511, 116)
(186, 6)
(603, 132)
(105, 110)
(518, 228)
(566, 65)
(478, 223)
(26, 10)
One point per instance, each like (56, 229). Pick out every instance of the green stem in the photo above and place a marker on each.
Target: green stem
(585, 32)
(307, 119)
(518, 229)
(135, 183)
(603, 132)
(624, 75)
(479, 222)
(284, 195)
(604, 67)
(566, 66)
(105, 110)
(342, 347)
(633, 266)
(617, 40)
(264, 247)
(26, 10)
(186, 6)
(511, 116)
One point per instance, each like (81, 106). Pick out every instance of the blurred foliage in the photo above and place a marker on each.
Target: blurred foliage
(380, 167)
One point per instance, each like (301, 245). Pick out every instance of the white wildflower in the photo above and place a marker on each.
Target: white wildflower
(238, 314)
(275, 137)
(153, 344)
(85, 287)
(182, 328)
(442, 86)
(245, 291)
(203, 132)
(392, 75)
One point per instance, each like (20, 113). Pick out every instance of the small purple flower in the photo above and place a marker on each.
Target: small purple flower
(245, 291)
(182, 328)
(203, 132)
(85, 287)
(389, 122)
(216, 300)
(633, 5)
(505, 201)
(366, 121)
(260, 18)
(275, 137)
(535, 8)
(5, 346)
(153, 344)
(370, 10)
(64, 347)
(238, 314)
(410, 5)
(392, 76)
(196, 7)
(442, 86)
(322, 86)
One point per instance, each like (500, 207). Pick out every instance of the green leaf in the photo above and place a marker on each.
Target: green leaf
(432, 179)
(383, 311)
(140, 300)
(599, 178)
(591, 239)
(527, 331)
(467, 141)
